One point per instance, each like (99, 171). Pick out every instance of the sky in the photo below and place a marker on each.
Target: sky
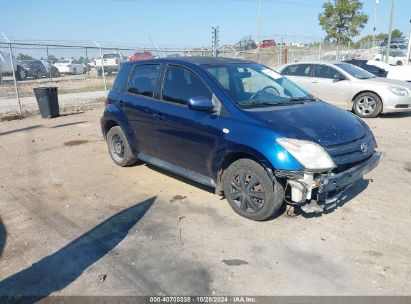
(178, 23)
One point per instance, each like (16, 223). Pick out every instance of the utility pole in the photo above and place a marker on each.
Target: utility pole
(375, 22)
(215, 40)
(259, 25)
(407, 62)
(387, 51)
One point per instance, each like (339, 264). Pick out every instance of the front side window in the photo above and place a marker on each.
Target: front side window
(325, 71)
(254, 85)
(181, 84)
(143, 79)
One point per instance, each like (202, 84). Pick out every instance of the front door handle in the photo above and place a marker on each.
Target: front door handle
(314, 81)
(159, 116)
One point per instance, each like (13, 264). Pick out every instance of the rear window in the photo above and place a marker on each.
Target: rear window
(297, 70)
(143, 79)
(120, 84)
(111, 55)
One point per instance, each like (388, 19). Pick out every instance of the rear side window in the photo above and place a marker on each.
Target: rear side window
(120, 83)
(298, 70)
(181, 84)
(143, 79)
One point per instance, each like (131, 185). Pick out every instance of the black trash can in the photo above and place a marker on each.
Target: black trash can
(48, 101)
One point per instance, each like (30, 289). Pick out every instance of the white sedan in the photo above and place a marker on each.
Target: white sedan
(69, 66)
(351, 87)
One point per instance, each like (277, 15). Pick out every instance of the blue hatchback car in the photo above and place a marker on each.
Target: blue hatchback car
(239, 127)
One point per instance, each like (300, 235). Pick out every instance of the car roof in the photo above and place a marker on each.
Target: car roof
(314, 62)
(197, 60)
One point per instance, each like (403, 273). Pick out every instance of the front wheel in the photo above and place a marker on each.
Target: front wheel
(367, 105)
(250, 191)
(119, 148)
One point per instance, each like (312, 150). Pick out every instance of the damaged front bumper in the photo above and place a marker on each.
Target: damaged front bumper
(328, 189)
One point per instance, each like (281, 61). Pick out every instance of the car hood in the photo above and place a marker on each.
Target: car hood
(318, 122)
(386, 81)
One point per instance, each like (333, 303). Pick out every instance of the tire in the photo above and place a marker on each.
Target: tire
(262, 200)
(74, 71)
(21, 74)
(99, 72)
(119, 148)
(399, 62)
(367, 105)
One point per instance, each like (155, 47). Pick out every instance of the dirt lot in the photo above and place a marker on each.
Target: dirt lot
(73, 223)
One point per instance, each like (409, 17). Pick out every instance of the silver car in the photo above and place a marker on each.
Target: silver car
(351, 87)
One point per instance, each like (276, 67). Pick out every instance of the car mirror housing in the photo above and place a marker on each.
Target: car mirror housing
(338, 77)
(201, 103)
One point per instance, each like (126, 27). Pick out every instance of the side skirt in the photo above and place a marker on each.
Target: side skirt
(197, 177)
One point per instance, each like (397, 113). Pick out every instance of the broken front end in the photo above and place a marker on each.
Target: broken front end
(328, 173)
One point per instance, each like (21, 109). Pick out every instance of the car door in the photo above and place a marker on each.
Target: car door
(182, 136)
(137, 105)
(330, 85)
(300, 74)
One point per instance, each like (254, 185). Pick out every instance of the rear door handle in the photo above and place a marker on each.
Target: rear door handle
(159, 116)
(314, 81)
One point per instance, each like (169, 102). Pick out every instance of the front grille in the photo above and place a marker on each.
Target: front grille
(351, 153)
(345, 167)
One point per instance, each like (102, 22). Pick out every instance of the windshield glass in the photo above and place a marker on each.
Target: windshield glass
(355, 71)
(254, 85)
(64, 61)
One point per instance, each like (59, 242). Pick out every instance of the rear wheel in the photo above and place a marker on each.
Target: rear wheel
(119, 147)
(367, 105)
(250, 191)
(74, 71)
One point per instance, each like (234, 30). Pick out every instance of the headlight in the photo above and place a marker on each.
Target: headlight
(399, 91)
(311, 155)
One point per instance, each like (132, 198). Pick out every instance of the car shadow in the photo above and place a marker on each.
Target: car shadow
(3, 236)
(181, 178)
(348, 195)
(56, 271)
(396, 115)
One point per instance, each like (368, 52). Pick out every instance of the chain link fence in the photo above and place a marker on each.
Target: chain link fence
(83, 78)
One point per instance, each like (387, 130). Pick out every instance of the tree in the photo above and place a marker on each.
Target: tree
(342, 19)
(396, 34)
(23, 57)
(51, 58)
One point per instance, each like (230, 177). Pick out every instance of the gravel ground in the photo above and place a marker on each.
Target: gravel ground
(73, 223)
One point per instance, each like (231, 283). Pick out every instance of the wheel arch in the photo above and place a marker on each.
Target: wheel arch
(365, 91)
(226, 158)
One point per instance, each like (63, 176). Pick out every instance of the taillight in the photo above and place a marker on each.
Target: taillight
(116, 60)
(107, 101)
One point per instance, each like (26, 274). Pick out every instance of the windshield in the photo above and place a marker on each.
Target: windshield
(64, 61)
(254, 85)
(355, 71)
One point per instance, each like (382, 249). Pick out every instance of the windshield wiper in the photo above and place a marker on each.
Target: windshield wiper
(302, 99)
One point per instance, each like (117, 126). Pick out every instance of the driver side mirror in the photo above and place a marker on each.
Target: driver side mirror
(339, 77)
(201, 103)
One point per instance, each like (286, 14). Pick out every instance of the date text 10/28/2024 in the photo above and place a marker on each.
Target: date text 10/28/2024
(202, 299)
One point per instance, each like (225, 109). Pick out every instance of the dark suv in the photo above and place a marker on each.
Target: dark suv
(237, 126)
